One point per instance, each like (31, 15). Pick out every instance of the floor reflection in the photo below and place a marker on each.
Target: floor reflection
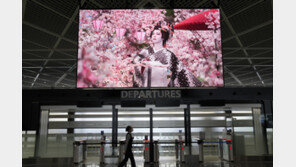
(113, 162)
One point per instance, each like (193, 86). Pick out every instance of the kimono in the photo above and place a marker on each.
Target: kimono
(164, 70)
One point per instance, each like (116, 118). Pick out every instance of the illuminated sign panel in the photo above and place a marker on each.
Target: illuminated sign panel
(149, 48)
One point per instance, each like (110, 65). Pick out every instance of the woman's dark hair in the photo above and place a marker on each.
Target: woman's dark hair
(128, 128)
(164, 34)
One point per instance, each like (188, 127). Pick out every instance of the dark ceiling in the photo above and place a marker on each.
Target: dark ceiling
(50, 30)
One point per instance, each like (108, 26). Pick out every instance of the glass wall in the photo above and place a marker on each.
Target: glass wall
(212, 122)
(65, 124)
(168, 125)
(28, 143)
(270, 140)
(139, 119)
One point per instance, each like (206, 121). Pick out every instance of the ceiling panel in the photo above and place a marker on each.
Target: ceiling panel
(257, 35)
(67, 45)
(66, 8)
(255, 16)
(235, 6)
(38, 36)
(44, 18)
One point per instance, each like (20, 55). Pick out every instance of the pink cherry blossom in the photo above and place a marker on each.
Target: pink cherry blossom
(108, 42)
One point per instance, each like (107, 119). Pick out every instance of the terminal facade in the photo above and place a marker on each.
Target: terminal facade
(240, 119)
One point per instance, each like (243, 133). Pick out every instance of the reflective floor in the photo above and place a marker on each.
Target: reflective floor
(112, 162)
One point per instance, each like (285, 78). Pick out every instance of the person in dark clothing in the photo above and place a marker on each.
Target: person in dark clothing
(128, 148)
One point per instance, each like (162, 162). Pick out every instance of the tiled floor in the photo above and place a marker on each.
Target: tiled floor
(112, 162)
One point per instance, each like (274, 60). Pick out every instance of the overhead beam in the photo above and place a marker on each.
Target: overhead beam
(241, 75)
(48, 73)
(65, 75)
(49, 32)
(97, 4)
(59, 39)
(247, 48)
(256, 43)
(244, 9)
(244, 65)
(44, 50)
(48, 67)
(43, 84)
(42, 59)
(49, 59)
(67, 54)
(141, 4)
(198, 4)
(243, 58)
(46, 80)
(156, 3)
(248, 30)
(235, 35)
(54, 11)
(233, 76)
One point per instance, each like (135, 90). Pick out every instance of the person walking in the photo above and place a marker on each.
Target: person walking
(128, 148)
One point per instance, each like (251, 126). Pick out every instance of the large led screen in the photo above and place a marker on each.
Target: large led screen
(149, 48)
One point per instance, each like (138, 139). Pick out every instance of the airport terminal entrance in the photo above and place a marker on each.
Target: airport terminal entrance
(182, 134)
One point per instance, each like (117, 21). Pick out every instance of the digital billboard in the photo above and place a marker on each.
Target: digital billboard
(149, 48)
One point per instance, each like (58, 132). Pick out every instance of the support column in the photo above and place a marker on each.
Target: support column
(114, 126)
(42, 137)
(151, 155)
(70, 131)
(268, 122)
(258, 132)
(187, 126)
(35, 109)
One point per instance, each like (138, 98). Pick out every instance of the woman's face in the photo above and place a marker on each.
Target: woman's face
(156, 36)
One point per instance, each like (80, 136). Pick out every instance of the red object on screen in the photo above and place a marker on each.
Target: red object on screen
(147, 148)
(182, 148)
(229, 147)
(197, 22)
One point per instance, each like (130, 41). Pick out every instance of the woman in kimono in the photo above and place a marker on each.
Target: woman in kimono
(159, 67)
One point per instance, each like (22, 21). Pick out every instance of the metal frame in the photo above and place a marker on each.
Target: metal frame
(60, 37)
(236, 36)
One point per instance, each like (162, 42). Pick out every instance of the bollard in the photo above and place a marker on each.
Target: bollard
(230, 149)
(179, 145)
(102, 152)
(182, 159)
(200, 147)
(146, 151)
(77, 152)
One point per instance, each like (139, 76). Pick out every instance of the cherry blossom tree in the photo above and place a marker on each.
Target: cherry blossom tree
(105, 56)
